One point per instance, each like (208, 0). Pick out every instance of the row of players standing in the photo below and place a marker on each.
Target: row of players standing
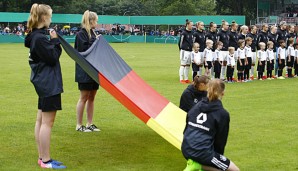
(212, 50)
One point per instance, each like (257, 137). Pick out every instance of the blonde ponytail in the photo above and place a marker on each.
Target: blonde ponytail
(36, 13)
(88, 18)
(215, 89)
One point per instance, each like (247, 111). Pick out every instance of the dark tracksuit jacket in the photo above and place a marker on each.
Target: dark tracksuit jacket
(186, 41)
(272, 38)
(212, 36)
(200, 38)
(44, 62)
(281, 35)
(83, 43)
(241, 36)
(262, 37)
(233, 39)
(190, 97)
(290, 35)
(224, 38)
(254, 41)
(205, 136)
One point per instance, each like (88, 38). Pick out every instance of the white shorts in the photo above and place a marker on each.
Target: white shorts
(185, 57)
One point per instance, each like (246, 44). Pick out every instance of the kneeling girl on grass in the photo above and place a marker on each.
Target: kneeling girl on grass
(206, 132)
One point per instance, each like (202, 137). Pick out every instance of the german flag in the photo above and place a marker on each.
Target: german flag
(107, 68)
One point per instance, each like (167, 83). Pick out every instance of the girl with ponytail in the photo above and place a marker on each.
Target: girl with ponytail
(87, 86)
(46, 77)
(206, 132)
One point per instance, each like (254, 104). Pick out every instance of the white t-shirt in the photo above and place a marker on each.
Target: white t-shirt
(270, 54)
(196, 57)
(231, 60)
(208, 54)
(248, 52)
(218, 55)
(241, 53)
(296, 53)
(291, 51)
(282, 52)
(262, 55)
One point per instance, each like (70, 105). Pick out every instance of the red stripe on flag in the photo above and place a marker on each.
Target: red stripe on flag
(122, 98)
(142, 95)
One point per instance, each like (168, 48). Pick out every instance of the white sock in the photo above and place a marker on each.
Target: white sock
(252, 70)
(186, 70)
(181, 72)
(223, 71)
(212, 72)
(200, 72)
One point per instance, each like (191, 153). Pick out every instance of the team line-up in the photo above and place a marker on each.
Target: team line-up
(221, 52)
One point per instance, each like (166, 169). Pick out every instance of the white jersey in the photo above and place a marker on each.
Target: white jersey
(240, 53)
(291, 51)
(196, 57)
(282, 52)
(231, 60)
(296, 53)
(208, 54)
(270, 54)
(247, 51)
(218, 55)
(262, 55)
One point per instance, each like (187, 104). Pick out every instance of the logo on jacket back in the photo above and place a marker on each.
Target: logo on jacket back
(195, 100)
(201, 118)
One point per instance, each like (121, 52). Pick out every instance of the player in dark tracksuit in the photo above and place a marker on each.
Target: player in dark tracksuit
(272, 37)
(233, 39)
(223, 36)
(200, 38)
(194, 93)
(206, 131)
(281, 34)
(263, 35)
(212, 35)
(254, 36)
(291, 34)
(185, 46)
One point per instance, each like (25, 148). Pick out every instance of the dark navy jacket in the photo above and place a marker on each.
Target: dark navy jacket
(242, 36)
(272, 38)
(262, 37)
(199, 37)
(281, 35)
(82, 43)
(206, 131)
(190, 97)
(224, 38)
(44, 62)
(212, 36)
(254, 41)
(290, 35)
(233, 39)
(186, 41)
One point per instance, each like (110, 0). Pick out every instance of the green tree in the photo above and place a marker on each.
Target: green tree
(189, 7)
(237, 7)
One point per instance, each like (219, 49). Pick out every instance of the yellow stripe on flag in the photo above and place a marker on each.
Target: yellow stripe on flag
(170, 124)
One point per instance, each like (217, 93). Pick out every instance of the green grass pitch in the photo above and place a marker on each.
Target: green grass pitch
(263, 128)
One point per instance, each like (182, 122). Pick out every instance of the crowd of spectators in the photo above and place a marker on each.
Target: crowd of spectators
(20, 29)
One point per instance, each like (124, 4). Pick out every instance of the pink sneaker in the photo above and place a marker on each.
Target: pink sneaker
(51, 165)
